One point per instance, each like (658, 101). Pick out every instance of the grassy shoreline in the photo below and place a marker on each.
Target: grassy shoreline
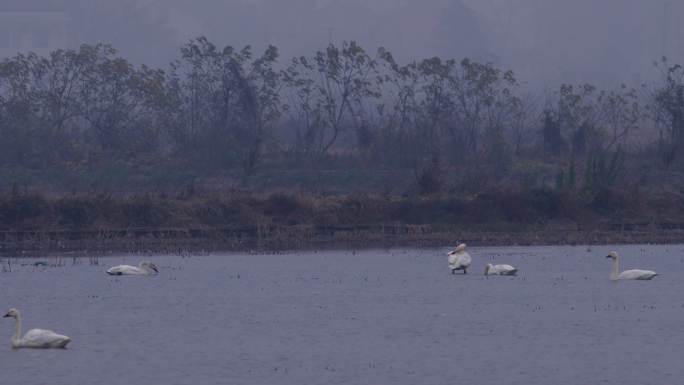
(286, 239)
(242, 221)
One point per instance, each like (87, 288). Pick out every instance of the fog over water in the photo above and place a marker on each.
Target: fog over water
(545, 41)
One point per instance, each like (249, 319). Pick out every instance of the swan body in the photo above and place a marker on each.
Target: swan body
(35, 338)
(500, 270)
(635, 274)
(144, 268)
(459, 259)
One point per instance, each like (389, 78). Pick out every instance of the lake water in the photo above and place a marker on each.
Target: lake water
(339, 317)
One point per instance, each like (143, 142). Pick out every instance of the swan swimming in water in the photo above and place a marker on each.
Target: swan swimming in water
(35, 338)
(616, 275)
(500, 270)
(144, 268)
(459, 259)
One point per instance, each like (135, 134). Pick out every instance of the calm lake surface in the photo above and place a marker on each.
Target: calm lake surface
(338, 317)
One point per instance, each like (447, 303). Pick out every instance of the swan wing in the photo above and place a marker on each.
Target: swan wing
(466, 259)
(457, 260)
(637, 274)
(125, 270)
(41, 338)
(501, 270)
(505, 269)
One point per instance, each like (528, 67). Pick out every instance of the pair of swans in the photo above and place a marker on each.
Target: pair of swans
(47, 339)
(459, 259)
(35, 338)
(144, 268)
(634, 274)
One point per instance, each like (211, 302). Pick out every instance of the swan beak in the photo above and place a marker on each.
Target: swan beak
(608, 256)
(6, 315)
(155, 269)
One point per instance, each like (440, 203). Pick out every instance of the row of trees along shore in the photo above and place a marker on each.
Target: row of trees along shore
(341, 120)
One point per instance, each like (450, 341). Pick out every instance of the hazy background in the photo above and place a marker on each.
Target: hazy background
(545, 41)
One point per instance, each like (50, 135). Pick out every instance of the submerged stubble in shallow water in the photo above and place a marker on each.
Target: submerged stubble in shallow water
(369, 317)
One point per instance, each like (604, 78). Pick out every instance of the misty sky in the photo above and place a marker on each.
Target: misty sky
(545, 41)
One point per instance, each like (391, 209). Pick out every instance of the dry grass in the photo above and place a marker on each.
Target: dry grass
(240, 219)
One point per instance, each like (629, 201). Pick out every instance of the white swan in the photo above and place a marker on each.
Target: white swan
(615, 273)
(35, 338)
(500, 270)
(144, 268)
(459, 259)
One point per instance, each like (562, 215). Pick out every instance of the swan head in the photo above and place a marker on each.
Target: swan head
(13, 313)
(612, 255)
(487, 268)
(149, 265)
(458, 249)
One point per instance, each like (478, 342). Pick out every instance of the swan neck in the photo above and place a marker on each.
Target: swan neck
(17, 329)
(145, 269)
(616, 269)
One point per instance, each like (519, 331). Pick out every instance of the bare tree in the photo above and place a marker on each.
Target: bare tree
(328, 92)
